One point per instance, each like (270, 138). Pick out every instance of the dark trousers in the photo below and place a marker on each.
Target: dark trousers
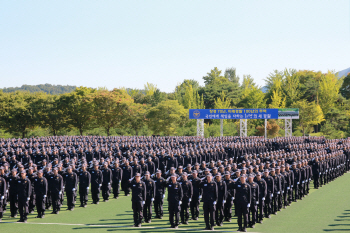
(116, 188)
(147, 209)
(125, 187)
(316, 181)
(13, 204)
(84, 194)
(296, 191)
(209, 213)
(185, 213)
(70, 198)
(137, 208)
(228, 208)
(174, 210)
(261, 207)
(219, 212)
(242, 211)
(268, 204)
(48, 201)
(23, 205)
(253, 211)
(1, 208)
(40, 205)
(194, 205)
(56, 201)
(32, 202)
(158, 206)
(95, 194)
(106, 191)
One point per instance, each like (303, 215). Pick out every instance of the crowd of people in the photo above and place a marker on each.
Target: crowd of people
(256, 176)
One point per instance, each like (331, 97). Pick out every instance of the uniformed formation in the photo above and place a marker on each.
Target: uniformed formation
(257, 176)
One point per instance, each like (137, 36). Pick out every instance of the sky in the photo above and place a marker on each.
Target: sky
(117, 44)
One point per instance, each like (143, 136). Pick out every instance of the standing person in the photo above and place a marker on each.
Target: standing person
(84, 185)
(150, 194)
(222, 196)
(316, 171)
(138, 198)
(160, 184)
(296, 182)
(230, 196)
(270, 189)
(96, 183)
(262, 195)
(186, 199)
(12, 182)
(254, 188)
(243, 200)
(40, 187)
(195, 201)
(2, 195)
(210, 197)
(127, 175)
(175, 195)
(117, 175)
(71, 187)
(107, 180)
(56, 189)
(24, 190)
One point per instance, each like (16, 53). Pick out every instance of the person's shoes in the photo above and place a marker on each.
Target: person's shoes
(186, 223)
(21, 220)
(196, 219)
(25, 221)
(252, 226)
(212, 228)
(38, 216)
(139, 225)
(97, 203)
(260, 221)
(161, 217)
(244, 230)
(207, 228)
(239, 229)
(81, 205)
(72, 209)
(68, 208)
(176, 226)
(220, 224)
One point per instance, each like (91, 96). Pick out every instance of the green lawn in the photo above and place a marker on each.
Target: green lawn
(325, 209)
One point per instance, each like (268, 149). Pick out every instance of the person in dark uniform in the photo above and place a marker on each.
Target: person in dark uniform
(175, 195)
(127, 175)
(210, 197)
(24, 190)
(96, 183)
(138, 198)
(296, 182)
(270, 189)
(56, 189)
(262, 196)
(107, 181)
(254, 188)
(84, 185)
(222, 196)
(160, 194)
(117, 175)
(196, 195)
(40, 187)
(12, 182)
(31, 176)
(243, 201)
(230, 186)
(316, 171)
(150, 194)
(71, 187)
(187, 191)
(3, 189)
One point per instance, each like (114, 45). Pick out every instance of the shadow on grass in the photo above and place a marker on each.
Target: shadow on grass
(342, 218)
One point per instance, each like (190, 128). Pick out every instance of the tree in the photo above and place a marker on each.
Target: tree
(310, 114)
(277, 101)
(137, 116)
(150, 88)
(272, 129)
(255, 99)
(166, 117)
(345, 88)
(19, 112)
(291, 86)
(231, 75)
(336, 123)
(214, 76)
(78, 108)
(222, 102)
(110, 108)
(328, 91)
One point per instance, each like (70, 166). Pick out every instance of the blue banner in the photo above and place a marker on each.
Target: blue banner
(261, 113)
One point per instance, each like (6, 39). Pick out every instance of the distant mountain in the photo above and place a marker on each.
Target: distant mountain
(343, 72)
(48, 88)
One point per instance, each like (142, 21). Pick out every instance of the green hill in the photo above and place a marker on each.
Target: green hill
(48, 88)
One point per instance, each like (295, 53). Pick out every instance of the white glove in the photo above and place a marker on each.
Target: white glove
(320, 173)
(263, 198)
(200, 196)
(302, 182)
(257, 203)
(278, 192)
(143, 202)
(298, 183)
(292, 186)
(109, 183)
(63, 187)
(224, 201)
(180, 202)
(248, 205)
(2, 197)
(271, 194)
(189, 199)
(288, 188)
(87, 188)
(28, 198)
(152, 199)
(232, 198)
(73, 189)
(163, 196)
(59, 192)
(214, 202)
(100, 185)
(44, 196)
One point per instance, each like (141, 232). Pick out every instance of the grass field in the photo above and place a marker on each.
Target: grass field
(325, 209)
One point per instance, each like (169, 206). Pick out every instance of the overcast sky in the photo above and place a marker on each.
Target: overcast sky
(128, 43)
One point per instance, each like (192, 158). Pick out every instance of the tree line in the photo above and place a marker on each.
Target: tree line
(322, 98)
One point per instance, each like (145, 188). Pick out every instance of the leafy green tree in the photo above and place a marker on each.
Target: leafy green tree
(328, 91)
(231, 75)
(254, 99)
(291, 86)
(137, 117)
(166, 117)
(345, 88)
(110, 108)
